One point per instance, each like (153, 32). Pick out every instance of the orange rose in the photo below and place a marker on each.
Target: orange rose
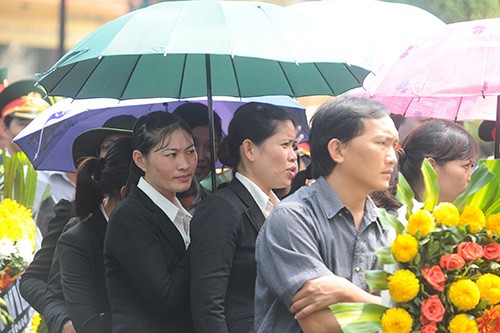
(432, 309)
(435, 277)
(429, 328)
(492, 251)
(470, 251)
(452, 261)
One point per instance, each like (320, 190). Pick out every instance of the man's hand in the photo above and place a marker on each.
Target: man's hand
(317, 294)
(68, 327)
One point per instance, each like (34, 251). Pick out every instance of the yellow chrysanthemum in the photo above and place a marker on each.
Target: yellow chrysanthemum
(16, 222)
(403, 286)
(404, 248)
(462, 324)
(474, 217)
(464, 294)
(35, 322)
(489, 287)
(493, 223)
(422, 221)
(446, 213)
(396, 320)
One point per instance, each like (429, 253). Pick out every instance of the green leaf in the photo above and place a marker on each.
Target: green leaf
(20, 179)
(358, 317)
(480, 190)
(376, 279)
(384, 256)
(405, 194)
(431, 185)
(389, 221)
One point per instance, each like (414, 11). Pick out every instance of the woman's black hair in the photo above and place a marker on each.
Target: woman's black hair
(254, 121)
(441, 140)
(341, 119)
(102, 177)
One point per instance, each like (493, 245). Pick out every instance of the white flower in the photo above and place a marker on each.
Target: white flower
(25, 250)
(6, 248)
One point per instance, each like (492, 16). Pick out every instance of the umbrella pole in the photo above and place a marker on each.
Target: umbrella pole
(210, 120)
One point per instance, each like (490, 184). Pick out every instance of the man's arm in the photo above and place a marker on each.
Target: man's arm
(310, 303)
(317, 294)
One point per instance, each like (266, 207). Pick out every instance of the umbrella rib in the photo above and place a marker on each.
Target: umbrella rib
(182, 76)
(287, 80)
(130, 76)
(350, 71)
(235, 76)
(324, 79)
(88, 76)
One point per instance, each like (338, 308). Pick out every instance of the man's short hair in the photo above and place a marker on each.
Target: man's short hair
(340, 119)
(196, 114)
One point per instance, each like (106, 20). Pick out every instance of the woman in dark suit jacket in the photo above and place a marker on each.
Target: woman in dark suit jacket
(259, 147)
(147, 270)
(100, 186)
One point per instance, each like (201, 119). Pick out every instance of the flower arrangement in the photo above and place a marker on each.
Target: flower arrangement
(17, 241)
(442, 271)
(17, 228)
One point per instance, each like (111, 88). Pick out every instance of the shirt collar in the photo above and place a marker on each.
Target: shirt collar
(169, 208)
(257, 194)
(332, 205)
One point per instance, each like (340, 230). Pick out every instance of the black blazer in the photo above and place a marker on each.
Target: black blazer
(147, 269)
(82, 275)
(33, 283)
(223, 268)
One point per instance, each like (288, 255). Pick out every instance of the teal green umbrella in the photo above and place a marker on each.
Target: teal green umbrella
(185, 49)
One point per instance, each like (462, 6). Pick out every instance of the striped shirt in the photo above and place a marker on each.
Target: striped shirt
(308, 235)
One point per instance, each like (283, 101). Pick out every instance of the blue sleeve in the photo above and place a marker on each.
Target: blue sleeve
(287, 251)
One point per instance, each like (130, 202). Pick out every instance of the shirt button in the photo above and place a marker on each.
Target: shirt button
(357, 269)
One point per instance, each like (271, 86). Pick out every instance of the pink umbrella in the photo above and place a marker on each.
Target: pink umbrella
(443, 74)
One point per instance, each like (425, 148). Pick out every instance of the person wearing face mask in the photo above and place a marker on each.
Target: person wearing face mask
(260, 149)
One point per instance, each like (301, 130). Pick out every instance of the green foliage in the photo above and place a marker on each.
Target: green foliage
(431, 189)
(451, 11)
(482, 190)
(19, 179)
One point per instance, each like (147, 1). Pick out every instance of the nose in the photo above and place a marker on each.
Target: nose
(292, 155)
(391, 157)
(185, 161)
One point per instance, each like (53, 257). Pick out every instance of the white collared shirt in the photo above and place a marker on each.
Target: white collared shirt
(263, 200)
(174, 211)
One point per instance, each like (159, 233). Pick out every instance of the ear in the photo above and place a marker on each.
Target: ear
(335, 150)
(432, 162)
(139, 160)
(247, 150)
(123, 192)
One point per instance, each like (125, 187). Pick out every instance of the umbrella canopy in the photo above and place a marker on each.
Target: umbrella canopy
(160, 51)
(48, 139)
(370, 32)
(184, 49)
(453, 66)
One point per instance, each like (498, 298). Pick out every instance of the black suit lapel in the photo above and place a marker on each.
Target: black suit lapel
(252, 211)
(161, 219)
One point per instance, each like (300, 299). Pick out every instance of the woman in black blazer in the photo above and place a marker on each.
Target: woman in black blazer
(147, 270)
(259, 147)
(100, 186)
